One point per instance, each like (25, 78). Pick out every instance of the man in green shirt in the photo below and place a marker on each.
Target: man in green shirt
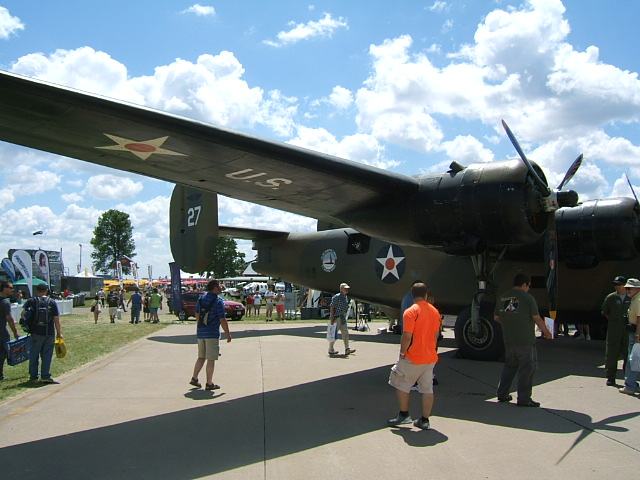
(516, 310)
(615, 309)
(154, 303)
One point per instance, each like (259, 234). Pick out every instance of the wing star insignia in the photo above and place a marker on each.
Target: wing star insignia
(142, 150)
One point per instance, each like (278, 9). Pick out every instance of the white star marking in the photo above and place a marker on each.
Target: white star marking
(142, 150)
(390, 264)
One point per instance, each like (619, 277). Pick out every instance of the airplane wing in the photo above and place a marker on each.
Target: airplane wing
(249, 233)
(132, 138)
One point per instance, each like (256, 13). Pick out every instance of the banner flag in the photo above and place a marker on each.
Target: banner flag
(134, 270)
(9, 268)
(22, 261)
(42, 260)
(176, 287)
(119, 270)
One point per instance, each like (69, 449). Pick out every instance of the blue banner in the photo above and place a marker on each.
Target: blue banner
(176, 287)
(9, 268)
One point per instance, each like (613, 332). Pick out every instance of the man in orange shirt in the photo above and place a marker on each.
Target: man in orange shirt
(418, 356)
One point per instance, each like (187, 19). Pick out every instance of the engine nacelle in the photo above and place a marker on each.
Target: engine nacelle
(461, 211)
(607, 230)
(495, 202)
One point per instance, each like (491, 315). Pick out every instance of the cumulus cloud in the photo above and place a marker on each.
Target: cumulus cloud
(112, 187)
(201, 10)
(72, 197)
(9, 24)
(324, 28)
(559, 101)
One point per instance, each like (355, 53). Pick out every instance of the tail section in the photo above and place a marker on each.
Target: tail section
(193, 220)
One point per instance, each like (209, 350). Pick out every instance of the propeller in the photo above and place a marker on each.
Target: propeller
(551, 201)
(632, 190)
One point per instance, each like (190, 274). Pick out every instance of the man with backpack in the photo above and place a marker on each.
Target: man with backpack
(210, 315)
(43, 319)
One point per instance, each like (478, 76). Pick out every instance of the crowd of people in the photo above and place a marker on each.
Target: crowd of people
(515, 310)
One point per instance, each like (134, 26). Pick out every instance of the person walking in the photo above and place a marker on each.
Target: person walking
(632, 288)
(339, 310)
(210, 316)
(46, 318)
(6, 291)
(135, 301)
(615, 309)
(418, 356)
(516, 310)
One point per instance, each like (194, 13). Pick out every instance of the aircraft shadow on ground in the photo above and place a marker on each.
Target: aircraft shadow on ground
(224, 435)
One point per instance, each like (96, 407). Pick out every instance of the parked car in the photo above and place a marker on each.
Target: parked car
(234, 310)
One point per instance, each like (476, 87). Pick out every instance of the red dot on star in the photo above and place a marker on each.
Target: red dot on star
(140, 147)
(390, 263)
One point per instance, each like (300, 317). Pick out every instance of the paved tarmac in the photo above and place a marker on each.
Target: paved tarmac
(286, 410)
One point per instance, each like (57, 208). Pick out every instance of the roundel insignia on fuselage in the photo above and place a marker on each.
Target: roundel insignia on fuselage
(390, 263)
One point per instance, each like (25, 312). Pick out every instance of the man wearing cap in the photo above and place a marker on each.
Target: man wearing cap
(631, 377)
(339, 308)
(615, 309)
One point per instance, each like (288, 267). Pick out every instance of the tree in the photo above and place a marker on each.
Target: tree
(226, 260)
(112, 239)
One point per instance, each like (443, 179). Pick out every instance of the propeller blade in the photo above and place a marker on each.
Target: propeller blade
(551, 264)
(544, 188)
(571, 172)
(632, 190)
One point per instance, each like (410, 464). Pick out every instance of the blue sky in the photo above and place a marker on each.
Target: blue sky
(407, 86)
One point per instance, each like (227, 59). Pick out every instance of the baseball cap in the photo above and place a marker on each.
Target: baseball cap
(632, 283)
(344, 285)
(619, 280)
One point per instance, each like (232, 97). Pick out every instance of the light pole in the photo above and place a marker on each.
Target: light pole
(80, 258)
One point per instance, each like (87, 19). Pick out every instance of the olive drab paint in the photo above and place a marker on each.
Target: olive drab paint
(193, 226)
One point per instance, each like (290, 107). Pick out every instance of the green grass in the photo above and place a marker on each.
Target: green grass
(85, 343)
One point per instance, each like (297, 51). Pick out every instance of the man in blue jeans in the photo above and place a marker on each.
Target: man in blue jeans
(631, 377)
(136, 306)
(47, 328)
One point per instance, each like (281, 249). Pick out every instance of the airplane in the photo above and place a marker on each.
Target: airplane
(465, 232)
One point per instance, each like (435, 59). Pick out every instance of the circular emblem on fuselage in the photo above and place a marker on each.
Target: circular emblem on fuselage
(390, 263)
(329, 258)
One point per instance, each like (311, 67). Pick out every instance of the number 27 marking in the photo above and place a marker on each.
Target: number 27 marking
(193, 214)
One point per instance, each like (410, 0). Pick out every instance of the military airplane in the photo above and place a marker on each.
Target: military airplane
(466, 232)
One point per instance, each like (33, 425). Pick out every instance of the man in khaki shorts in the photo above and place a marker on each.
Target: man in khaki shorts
(418, 356)
(210, 316)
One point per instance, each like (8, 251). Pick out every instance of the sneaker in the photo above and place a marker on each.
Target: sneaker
(530, 403)
(581, 337)
(349, 350)
(422, 424)
(334, 352)
(195, 382)
(588, 337)
(627, 392)
(2, 377)
(399, 420)
(611, 383)
(211, 386)
(508, 398)
(48, 380)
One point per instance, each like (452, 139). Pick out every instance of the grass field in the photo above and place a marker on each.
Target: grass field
(85, 343)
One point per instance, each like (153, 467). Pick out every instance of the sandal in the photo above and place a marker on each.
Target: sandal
(195, 382)
(211, 386)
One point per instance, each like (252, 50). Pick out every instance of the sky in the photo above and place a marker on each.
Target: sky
(408, 86)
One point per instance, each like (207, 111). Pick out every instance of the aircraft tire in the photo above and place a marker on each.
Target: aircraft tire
(487, 346)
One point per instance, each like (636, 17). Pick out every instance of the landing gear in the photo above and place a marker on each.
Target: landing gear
(483, 343)
(478, 336)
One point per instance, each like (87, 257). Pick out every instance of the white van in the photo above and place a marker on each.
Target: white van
(260, 287)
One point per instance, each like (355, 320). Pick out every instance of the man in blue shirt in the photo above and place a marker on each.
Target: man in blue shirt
(136, 306)
(210, 315)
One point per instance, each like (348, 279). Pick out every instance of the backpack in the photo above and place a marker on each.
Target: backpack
(37, 315)
(205, 313)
